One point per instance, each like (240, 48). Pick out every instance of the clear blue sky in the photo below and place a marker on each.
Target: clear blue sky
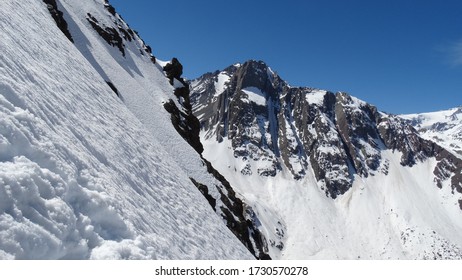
(403, 56)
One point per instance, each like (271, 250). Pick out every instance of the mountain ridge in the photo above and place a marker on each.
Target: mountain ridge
(335, 105)
(268, 131)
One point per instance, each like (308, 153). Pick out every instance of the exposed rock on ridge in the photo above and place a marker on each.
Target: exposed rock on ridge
(58, 17)
(333, 135)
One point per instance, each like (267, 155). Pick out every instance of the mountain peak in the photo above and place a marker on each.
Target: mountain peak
(256, 64)
(296, 148)
(300, 129)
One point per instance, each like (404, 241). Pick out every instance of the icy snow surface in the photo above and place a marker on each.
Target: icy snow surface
(255, 95)
(316, 97)
(81, 176)
(220, 85)
(402, 215)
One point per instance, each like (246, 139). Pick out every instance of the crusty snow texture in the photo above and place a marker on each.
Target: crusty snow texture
(81, 177)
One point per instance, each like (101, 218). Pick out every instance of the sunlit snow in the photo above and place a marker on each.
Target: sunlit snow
(255, 95)
(81, 176)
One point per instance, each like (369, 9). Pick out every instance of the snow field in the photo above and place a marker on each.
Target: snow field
(402, 215)
(80, 176)
(220, 85)
(255, 95)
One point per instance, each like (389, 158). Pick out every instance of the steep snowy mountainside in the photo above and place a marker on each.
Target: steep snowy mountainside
(157, 95)
(444, 128)
(323, 170)
(82, 176)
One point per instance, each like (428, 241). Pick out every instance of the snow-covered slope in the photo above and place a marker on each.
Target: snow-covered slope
(100, 158)
(85, 173)
(328, 175)
(443, 127)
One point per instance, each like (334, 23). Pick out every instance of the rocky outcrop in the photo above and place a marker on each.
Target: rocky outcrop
(399, 135)
(109, 7)
(174, 70)
(109, 34)
(185, 124)
(239, 217)
(183, 120)
(58, 17)
(119, 33)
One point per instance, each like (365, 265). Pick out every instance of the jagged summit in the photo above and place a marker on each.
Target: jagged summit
(271, 125)
(259, 112)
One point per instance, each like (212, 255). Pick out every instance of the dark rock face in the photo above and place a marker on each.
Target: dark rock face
(174, 70)
(205, 192)
(186, 125)
(399, 135)
(58, 17)
(358, 130)
(184, 121)
(337, 136)
(109, 7)
(448, 167)
(239, 217)
(281, 128)
(109, 34)
(116, 34)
